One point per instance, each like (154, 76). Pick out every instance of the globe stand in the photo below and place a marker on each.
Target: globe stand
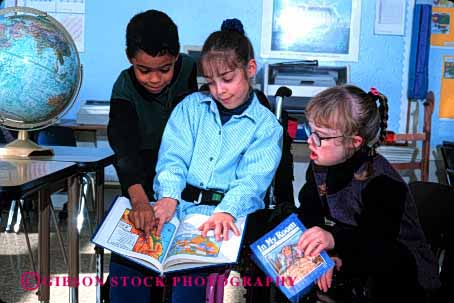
(24, 147)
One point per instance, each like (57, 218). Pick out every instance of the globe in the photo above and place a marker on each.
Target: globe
(40, 71)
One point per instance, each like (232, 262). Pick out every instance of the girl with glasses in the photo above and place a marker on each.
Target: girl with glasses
(355, 204)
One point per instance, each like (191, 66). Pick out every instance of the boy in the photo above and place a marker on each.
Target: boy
(142, 99)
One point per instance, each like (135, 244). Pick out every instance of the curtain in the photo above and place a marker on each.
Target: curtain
(419, 55)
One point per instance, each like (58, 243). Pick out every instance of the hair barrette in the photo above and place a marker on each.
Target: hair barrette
(374, 91)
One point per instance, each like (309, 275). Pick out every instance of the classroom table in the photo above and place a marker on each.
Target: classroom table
(72, 123)
(22, 178)
(88, 160)
(90, 129)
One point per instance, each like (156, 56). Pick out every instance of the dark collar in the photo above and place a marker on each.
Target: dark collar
(226, 113)
(340, 175)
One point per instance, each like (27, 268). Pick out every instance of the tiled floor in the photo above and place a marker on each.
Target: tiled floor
(15, 263)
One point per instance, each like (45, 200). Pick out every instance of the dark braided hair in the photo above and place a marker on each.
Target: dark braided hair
(383, 111)
(152, 32)
(228, 47)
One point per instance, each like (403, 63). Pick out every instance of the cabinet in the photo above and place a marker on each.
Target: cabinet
(305, 79)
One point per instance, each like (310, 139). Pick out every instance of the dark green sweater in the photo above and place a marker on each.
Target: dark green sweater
(137, 120)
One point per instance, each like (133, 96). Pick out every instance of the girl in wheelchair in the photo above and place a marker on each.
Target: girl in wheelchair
(222, 143)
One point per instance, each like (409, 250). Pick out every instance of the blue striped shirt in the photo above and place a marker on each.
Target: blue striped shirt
(238, 158)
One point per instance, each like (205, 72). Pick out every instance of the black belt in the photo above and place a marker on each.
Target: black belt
(201, 196)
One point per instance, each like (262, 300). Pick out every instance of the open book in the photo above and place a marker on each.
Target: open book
(179, 247)
(277, 254)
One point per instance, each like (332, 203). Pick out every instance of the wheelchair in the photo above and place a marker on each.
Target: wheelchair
(279, 203)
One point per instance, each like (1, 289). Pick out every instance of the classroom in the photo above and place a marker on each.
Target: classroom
(338, 111)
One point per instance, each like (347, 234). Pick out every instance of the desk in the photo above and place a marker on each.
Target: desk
(87, 160)
(72, 123)
(21, 178)
(88, 128)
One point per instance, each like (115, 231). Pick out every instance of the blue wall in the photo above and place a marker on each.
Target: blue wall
(104, 56)
(381, 61)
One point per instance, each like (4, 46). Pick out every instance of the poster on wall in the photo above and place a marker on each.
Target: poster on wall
(443, 3)
(442, 27)
(311, 29)
(447, 89)
(389, 17)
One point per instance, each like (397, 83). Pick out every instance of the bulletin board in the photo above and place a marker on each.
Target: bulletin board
(442, 29)
(447, 89)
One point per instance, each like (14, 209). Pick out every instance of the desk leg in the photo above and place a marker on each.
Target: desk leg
(44, 243)
(99, 251)
(95, 138)
(73, 237)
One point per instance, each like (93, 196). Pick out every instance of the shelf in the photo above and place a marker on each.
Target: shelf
(304, 80)
(300, 141)
(297, 91)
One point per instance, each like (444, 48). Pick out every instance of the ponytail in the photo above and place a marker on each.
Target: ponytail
(375, 95)
(233, 25)
(229, 45)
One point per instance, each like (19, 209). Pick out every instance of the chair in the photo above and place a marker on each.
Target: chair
(434, 202)
(281, 191)
(57, 136)
(447, 152)
(7, 136)
(279, 202)
(53, 135)
(64, 136)
(402, 140)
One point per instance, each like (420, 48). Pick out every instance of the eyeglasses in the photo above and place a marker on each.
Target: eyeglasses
(316, 137)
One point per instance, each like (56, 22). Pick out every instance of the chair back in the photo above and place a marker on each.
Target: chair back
(6, 136)
(424, 136)
(435, 202)
(447, 152)
(57, 136)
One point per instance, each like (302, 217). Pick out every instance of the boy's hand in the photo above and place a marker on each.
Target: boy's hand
(222, 223)
(314, 240)
(142, 214)
(324, 282)
(164, 209)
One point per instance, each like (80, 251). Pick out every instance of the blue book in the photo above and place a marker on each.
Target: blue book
(276, 253)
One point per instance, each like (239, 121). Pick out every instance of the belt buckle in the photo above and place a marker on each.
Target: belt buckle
(199, 199)
(216, 197)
